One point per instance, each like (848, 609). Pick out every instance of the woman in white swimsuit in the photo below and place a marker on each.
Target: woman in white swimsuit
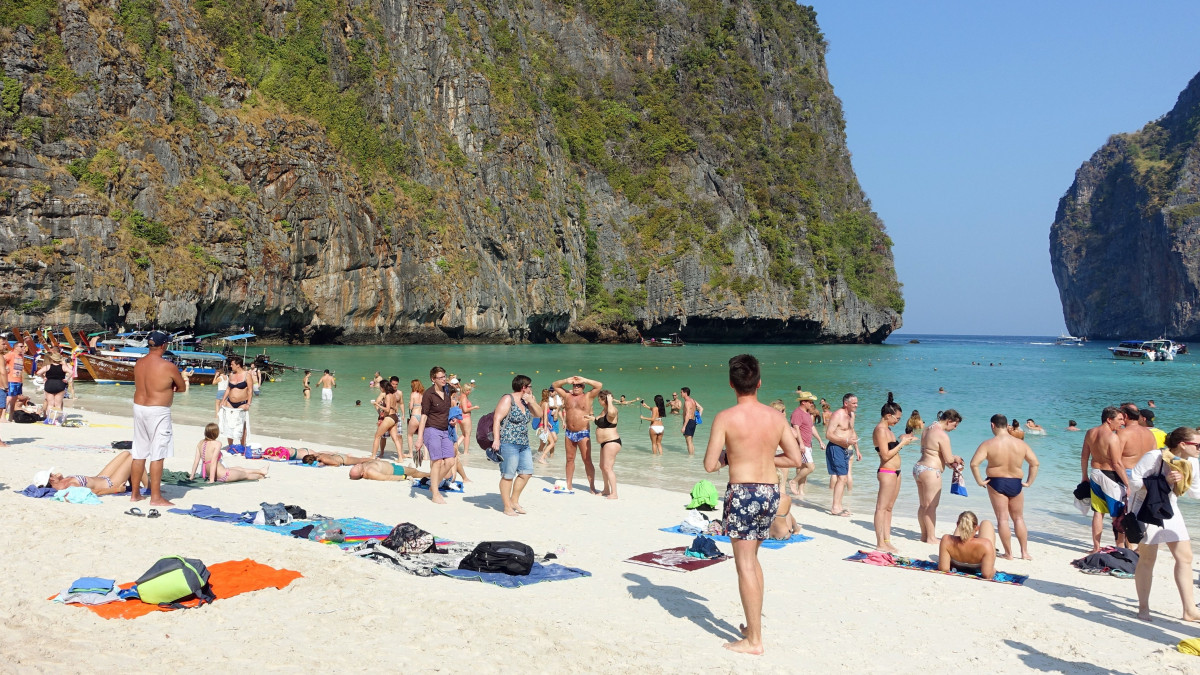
(657, 411)
(547, 429)
(221, 380)
(927, 472)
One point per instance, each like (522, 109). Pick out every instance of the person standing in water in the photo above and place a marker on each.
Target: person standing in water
(692, 411)
(155, 381)
(307, 387)
(657, 412)
(888, 447)
(327, 383)
(745, 438)
(841, 444)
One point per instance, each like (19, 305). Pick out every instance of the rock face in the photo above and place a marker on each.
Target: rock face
(421, 170)
(1125, 244)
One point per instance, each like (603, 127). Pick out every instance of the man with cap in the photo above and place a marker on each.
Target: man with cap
(802, 427)
(1160, 436)
(155, 381)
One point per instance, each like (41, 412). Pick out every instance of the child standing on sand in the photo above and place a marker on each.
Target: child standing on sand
(208, 459)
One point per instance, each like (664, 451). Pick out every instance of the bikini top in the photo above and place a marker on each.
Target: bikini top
(603, 423)
(891, 444)
(237, 385)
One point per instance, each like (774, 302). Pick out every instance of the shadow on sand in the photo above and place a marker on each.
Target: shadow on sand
(682, 605)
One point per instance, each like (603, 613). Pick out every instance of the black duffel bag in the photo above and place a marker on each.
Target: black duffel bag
(507, 557)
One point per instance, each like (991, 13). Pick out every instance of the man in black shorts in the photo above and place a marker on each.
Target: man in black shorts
(691, 408)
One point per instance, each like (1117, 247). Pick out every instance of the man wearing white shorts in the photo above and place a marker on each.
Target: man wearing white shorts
(327, 383)
(155, 381)
(802, 427)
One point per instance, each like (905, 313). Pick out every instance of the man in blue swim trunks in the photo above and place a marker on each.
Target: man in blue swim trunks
(1005, 454)
(577, 406)
(842, 443)
(744, 438)
(14, 363)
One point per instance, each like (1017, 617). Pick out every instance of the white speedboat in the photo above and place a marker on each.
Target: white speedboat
(1145, 350)
(1069, 341)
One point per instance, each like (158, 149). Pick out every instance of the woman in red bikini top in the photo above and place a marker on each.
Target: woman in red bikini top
(888, 474)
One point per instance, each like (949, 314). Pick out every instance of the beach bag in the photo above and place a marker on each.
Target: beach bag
(22, 417)
(122, 445)
(1134, 530)
(327, 530)
(253, 452)
(408, 538)
(296, 512)
(704, 496)
(696, 416)
(172, 579)
(507, 557)
(483, 431)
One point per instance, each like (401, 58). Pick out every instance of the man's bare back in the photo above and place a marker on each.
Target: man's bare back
(155, 380)
(1136, 440)
(749, 433)
(1005, 456)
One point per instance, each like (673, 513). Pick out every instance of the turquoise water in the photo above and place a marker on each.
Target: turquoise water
(1048, 383)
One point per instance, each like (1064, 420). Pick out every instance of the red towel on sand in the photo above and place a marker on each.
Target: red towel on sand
(227, 579)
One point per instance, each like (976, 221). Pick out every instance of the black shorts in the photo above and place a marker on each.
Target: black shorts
(690, 428)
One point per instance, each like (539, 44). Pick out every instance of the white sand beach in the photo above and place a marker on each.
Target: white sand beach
(821, 614)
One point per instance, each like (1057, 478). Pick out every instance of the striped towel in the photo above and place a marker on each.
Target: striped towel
(1108, 495)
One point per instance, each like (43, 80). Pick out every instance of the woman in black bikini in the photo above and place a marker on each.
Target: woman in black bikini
(55, 387)
(888, 474)
(609, 440)
(235, 407)
(387, 404)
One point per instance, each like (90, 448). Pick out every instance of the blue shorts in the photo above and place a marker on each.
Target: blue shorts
(836, 460)
(14, 388)
(576, 436)
(515, 459)
(438, 442)
(750, 509)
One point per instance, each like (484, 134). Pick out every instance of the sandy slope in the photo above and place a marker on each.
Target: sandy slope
(821, 613)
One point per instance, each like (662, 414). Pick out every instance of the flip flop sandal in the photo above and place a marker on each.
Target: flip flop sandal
(135, 511)
(153, 513)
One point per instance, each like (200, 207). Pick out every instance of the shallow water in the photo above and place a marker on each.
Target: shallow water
(1048, 383)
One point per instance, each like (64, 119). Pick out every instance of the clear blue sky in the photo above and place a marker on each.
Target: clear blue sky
(967, 121)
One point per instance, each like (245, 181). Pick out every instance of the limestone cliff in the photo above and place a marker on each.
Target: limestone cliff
(1125, 244)
(432, 170)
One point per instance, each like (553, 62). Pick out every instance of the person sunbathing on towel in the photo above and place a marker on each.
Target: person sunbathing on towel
(972, 547)
(784, 525)
(331, 459)
(110, 481)
(379, 469)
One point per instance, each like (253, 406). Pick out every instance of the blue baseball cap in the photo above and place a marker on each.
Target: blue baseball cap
(157, 338)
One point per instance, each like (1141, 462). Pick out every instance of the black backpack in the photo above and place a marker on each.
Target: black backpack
(483, 431)
(508, 557)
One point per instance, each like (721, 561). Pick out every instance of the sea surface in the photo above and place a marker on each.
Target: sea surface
(981, 375)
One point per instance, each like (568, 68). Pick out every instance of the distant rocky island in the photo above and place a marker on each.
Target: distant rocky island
(413, 171)
(1125, 244)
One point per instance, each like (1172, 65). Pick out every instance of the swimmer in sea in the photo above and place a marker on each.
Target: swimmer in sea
(1034, 428)
(1072, 426)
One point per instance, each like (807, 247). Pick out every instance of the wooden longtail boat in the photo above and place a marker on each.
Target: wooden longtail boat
(113, 371)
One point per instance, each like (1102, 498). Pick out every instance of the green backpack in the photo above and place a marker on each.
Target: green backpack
(172, 579)
(704, 496)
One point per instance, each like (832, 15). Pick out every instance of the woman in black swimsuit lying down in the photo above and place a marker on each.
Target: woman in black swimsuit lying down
(110, 481)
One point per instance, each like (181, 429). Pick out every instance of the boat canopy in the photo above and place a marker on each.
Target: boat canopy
(240, 336)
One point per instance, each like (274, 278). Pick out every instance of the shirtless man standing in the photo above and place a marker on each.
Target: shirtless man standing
(744, 438)
(1136, 440)
(1101, 465)
(840, 438)
(578, 406)
(1004, 455)
(327, 383)
(690, 407)
(155, 381)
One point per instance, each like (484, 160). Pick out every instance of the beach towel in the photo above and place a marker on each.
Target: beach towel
(1108, 495)
(1111, 560)
(206, 512)
(769, 543)
(226, 579)
(76, 495)
(874, 558)
(675, 560)
(419, 564)
(539, 573)
(455, 486)
(355, 530)
(39, 492)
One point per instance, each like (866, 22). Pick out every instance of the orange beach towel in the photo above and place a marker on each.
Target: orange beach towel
(229, 578)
